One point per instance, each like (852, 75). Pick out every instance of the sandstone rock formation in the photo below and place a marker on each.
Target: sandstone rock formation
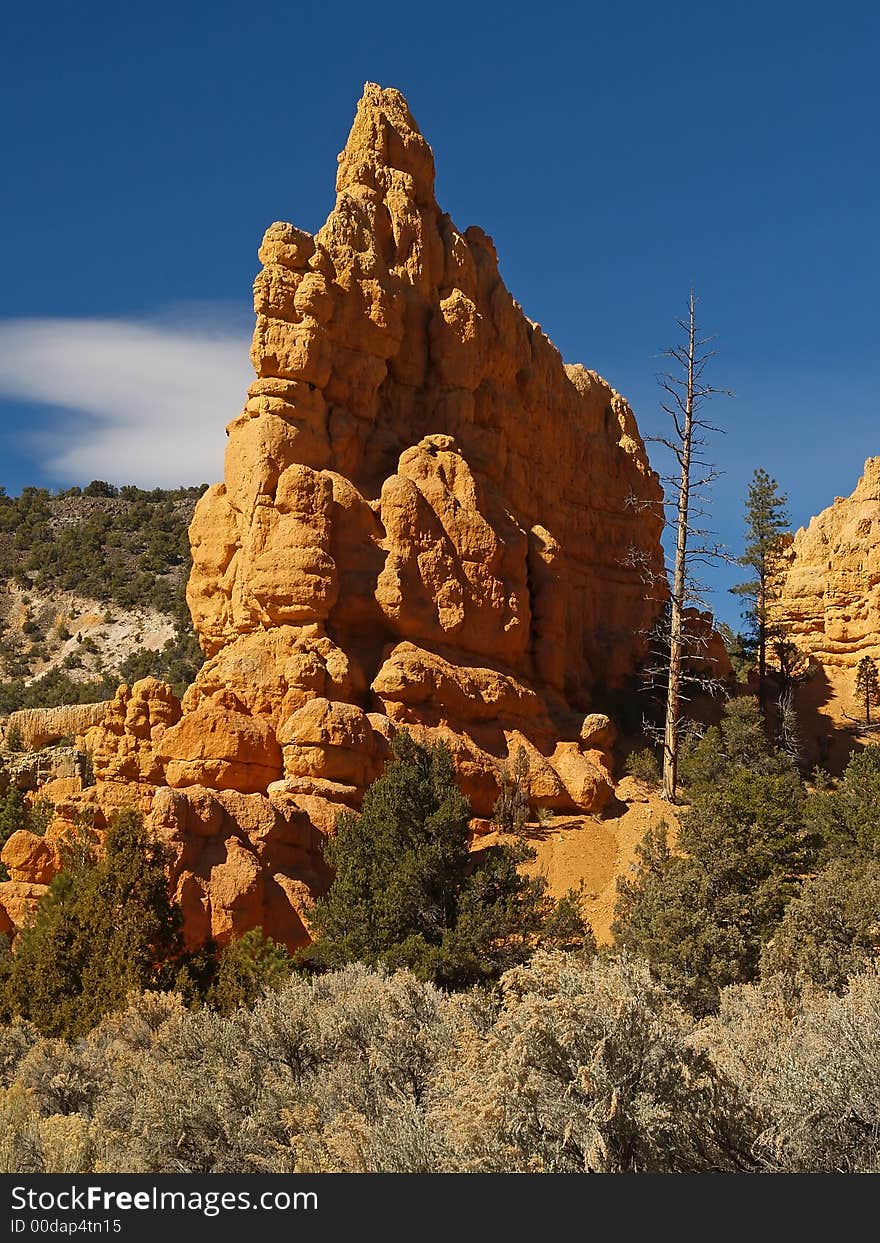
(237, 860)
(39, 727)
(425, 513)
(426, 521)
(123, 746)
(705, 655)
(828, 587)
(18, 903)
(35, 770)
(827, 599)
(240, 861)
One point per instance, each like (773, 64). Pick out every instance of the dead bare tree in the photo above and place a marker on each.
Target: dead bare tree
(686, 393)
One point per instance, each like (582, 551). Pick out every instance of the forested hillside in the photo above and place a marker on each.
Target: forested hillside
(92, 585)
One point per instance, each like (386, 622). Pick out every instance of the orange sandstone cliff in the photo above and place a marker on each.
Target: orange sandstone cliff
(827, 595)
(426, 521)
(828, 592)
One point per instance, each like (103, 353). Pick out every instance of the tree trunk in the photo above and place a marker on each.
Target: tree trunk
(761, 608)
(670, 736)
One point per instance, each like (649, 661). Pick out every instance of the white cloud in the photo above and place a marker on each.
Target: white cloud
(145, 402)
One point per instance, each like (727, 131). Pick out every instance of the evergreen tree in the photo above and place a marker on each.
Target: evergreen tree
(867, 685)
(408, 892)
(737, 744)
(832, 930)
(766, 522)
(702, 915)
(846, 816)
(245, 969)
(105, 928)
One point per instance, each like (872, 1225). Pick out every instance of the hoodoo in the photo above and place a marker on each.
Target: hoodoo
(427, 520)
(827, 594)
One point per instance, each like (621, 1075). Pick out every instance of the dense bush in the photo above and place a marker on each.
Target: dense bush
(744, 889)
(512, 808)
(832, 930)
(644, 766)
(847, 815)
(572, 1064)
(809, 1064)
(244, 970)
(702, 915)
(408, 892)
(588, 1066)
(738, 744)
(106, 926)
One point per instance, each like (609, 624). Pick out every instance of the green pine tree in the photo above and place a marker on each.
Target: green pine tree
(868, 685)
(766, 521)
(245, 968)
(702, 915)
(408, 892)
(831, 931)
(106, 927)
(845, 815)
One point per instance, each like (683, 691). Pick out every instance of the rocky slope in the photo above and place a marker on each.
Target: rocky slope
(426, 521)
(589, 854)
(91, 592)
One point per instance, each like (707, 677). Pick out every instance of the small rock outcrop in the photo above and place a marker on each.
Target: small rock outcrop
(124, 745)
(40, 727)
(37, 770)
(240, 861)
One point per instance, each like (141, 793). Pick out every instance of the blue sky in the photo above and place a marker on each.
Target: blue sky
(615, 153)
